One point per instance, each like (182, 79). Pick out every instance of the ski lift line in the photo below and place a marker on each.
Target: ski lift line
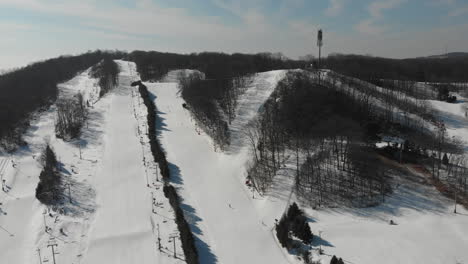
(11, 195)
(168, 218)
(52, 236)
(3, 163)
(11, 235)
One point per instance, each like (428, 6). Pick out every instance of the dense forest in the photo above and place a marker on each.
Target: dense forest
(212, 97)
(106, 72)
(332, 123)
(72, 112)
(451, 69)
(213, 102)
(154, 65)
(34, 87)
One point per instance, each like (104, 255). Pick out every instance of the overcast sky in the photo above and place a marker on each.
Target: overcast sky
(33, 30)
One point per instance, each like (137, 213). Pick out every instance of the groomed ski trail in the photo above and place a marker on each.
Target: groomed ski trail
(216, 203)
(122, 231)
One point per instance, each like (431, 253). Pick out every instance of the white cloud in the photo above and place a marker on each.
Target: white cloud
(370, 25)
(335, 7)
(443, 2)
(376, 8)
(459, 11)
(13, 26)
(149, 26)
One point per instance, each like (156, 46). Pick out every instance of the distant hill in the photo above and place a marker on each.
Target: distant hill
(449, 55)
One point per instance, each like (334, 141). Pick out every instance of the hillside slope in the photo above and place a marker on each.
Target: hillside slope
(227, 224)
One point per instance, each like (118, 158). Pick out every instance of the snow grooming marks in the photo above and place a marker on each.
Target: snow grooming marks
(250, 103)
(162, 222)
(123, 230)
(209, 182)
(188, 243)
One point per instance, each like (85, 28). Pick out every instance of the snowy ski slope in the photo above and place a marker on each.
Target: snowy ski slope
(112, 218)
(220, 209)
(211, 183)
(123, 220)
(116, 220)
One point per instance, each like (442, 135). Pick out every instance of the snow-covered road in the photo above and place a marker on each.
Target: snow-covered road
(122, 232)
(216, 203)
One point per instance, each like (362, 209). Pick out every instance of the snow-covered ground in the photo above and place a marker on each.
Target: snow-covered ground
(83, 84)
(426, 229)
(211, 183)
(249, 103)
(118, 207)
(228, 226)
(122, 224)
(110, 219)
(453, 115)
(125, 229)
(26, 217)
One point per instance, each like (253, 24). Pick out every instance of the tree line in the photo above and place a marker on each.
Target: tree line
(72, 112)
(428, 69)
(159, 156)
(328, 132)
(213, 102)
(106, 71)
(153, 65)
(213, 98)
(34, 87)
(331, 122)
(70, 118)
(403, 116)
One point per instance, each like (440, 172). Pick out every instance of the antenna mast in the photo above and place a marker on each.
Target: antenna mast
(320, 44)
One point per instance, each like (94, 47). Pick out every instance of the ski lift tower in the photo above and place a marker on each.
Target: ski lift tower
(320, 44)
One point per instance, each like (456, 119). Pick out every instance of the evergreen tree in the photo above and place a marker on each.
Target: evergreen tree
(282, 233)
(298, 224)
(306, 234)
(48, 189)
(445, 160)
(294, 211)
(306, 256)
(334, 260)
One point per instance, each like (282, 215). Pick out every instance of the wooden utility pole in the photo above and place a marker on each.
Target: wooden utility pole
(53, 252)
(69, 193)
(157, 174)
(79, 147)
(320, 249)
(159, 240)
(153, 202)
(455, 209)
(173, 237)
(39, 253)
(45, 223)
